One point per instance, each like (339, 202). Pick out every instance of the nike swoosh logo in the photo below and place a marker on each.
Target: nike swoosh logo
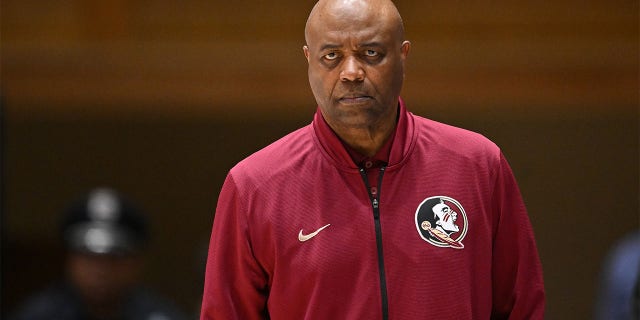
(305, 237)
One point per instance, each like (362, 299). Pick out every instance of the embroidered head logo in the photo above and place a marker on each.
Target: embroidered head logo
(442, 222)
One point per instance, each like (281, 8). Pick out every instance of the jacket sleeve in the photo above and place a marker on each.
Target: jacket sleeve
(518, 290)
(235, 284)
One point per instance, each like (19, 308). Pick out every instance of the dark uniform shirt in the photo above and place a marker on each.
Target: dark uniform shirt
(61, 302)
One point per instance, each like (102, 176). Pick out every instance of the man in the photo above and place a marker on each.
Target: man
(322, 223)
(104, 234)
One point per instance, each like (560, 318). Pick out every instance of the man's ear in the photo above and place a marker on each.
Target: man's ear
(305, 49)
(406, 45)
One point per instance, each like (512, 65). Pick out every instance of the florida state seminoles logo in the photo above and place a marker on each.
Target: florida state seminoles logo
(442, 222)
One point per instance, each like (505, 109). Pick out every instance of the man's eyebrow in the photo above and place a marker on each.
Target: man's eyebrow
(371, 44)
(362, 45)
(329, 46)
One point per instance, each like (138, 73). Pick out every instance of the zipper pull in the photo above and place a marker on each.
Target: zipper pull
(375, 203)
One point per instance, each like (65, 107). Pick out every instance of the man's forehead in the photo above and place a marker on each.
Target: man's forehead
(350, 36)
(356, 38)
(340, 21)
(337, 18)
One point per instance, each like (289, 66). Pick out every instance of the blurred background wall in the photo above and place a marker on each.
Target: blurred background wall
(159, 98)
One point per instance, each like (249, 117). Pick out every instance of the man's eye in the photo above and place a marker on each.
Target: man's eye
(371, 53)
(331, 56)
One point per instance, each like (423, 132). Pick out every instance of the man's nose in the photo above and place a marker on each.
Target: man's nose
(351, 70)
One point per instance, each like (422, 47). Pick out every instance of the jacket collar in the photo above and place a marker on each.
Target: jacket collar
(333, 148)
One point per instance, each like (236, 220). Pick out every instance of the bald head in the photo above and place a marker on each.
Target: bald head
(356, 52)
(342, 13)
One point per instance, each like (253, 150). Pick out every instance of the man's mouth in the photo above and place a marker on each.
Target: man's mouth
(355, 99)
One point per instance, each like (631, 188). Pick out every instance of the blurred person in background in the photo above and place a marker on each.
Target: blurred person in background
(105, 236)
(619, 291)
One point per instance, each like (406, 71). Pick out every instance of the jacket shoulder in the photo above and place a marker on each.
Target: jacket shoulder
(454, 139)
(284, 153)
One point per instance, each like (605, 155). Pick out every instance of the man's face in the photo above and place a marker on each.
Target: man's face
(103, 279)
(356, 66)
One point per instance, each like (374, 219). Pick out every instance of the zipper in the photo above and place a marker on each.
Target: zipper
(375, 204)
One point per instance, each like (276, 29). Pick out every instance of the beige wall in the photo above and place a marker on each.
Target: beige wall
(196, 56)
(160, 98)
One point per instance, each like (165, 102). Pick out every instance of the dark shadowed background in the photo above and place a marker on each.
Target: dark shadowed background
(159, 98)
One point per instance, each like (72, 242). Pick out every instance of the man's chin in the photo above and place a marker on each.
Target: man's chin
(357, 123)
(355, 116)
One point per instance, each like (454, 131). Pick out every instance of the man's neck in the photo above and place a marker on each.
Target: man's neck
(366, 141)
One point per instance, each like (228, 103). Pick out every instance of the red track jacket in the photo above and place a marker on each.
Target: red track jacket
(297, 234)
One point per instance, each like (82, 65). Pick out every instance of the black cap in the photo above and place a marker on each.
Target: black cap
(104, 222)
